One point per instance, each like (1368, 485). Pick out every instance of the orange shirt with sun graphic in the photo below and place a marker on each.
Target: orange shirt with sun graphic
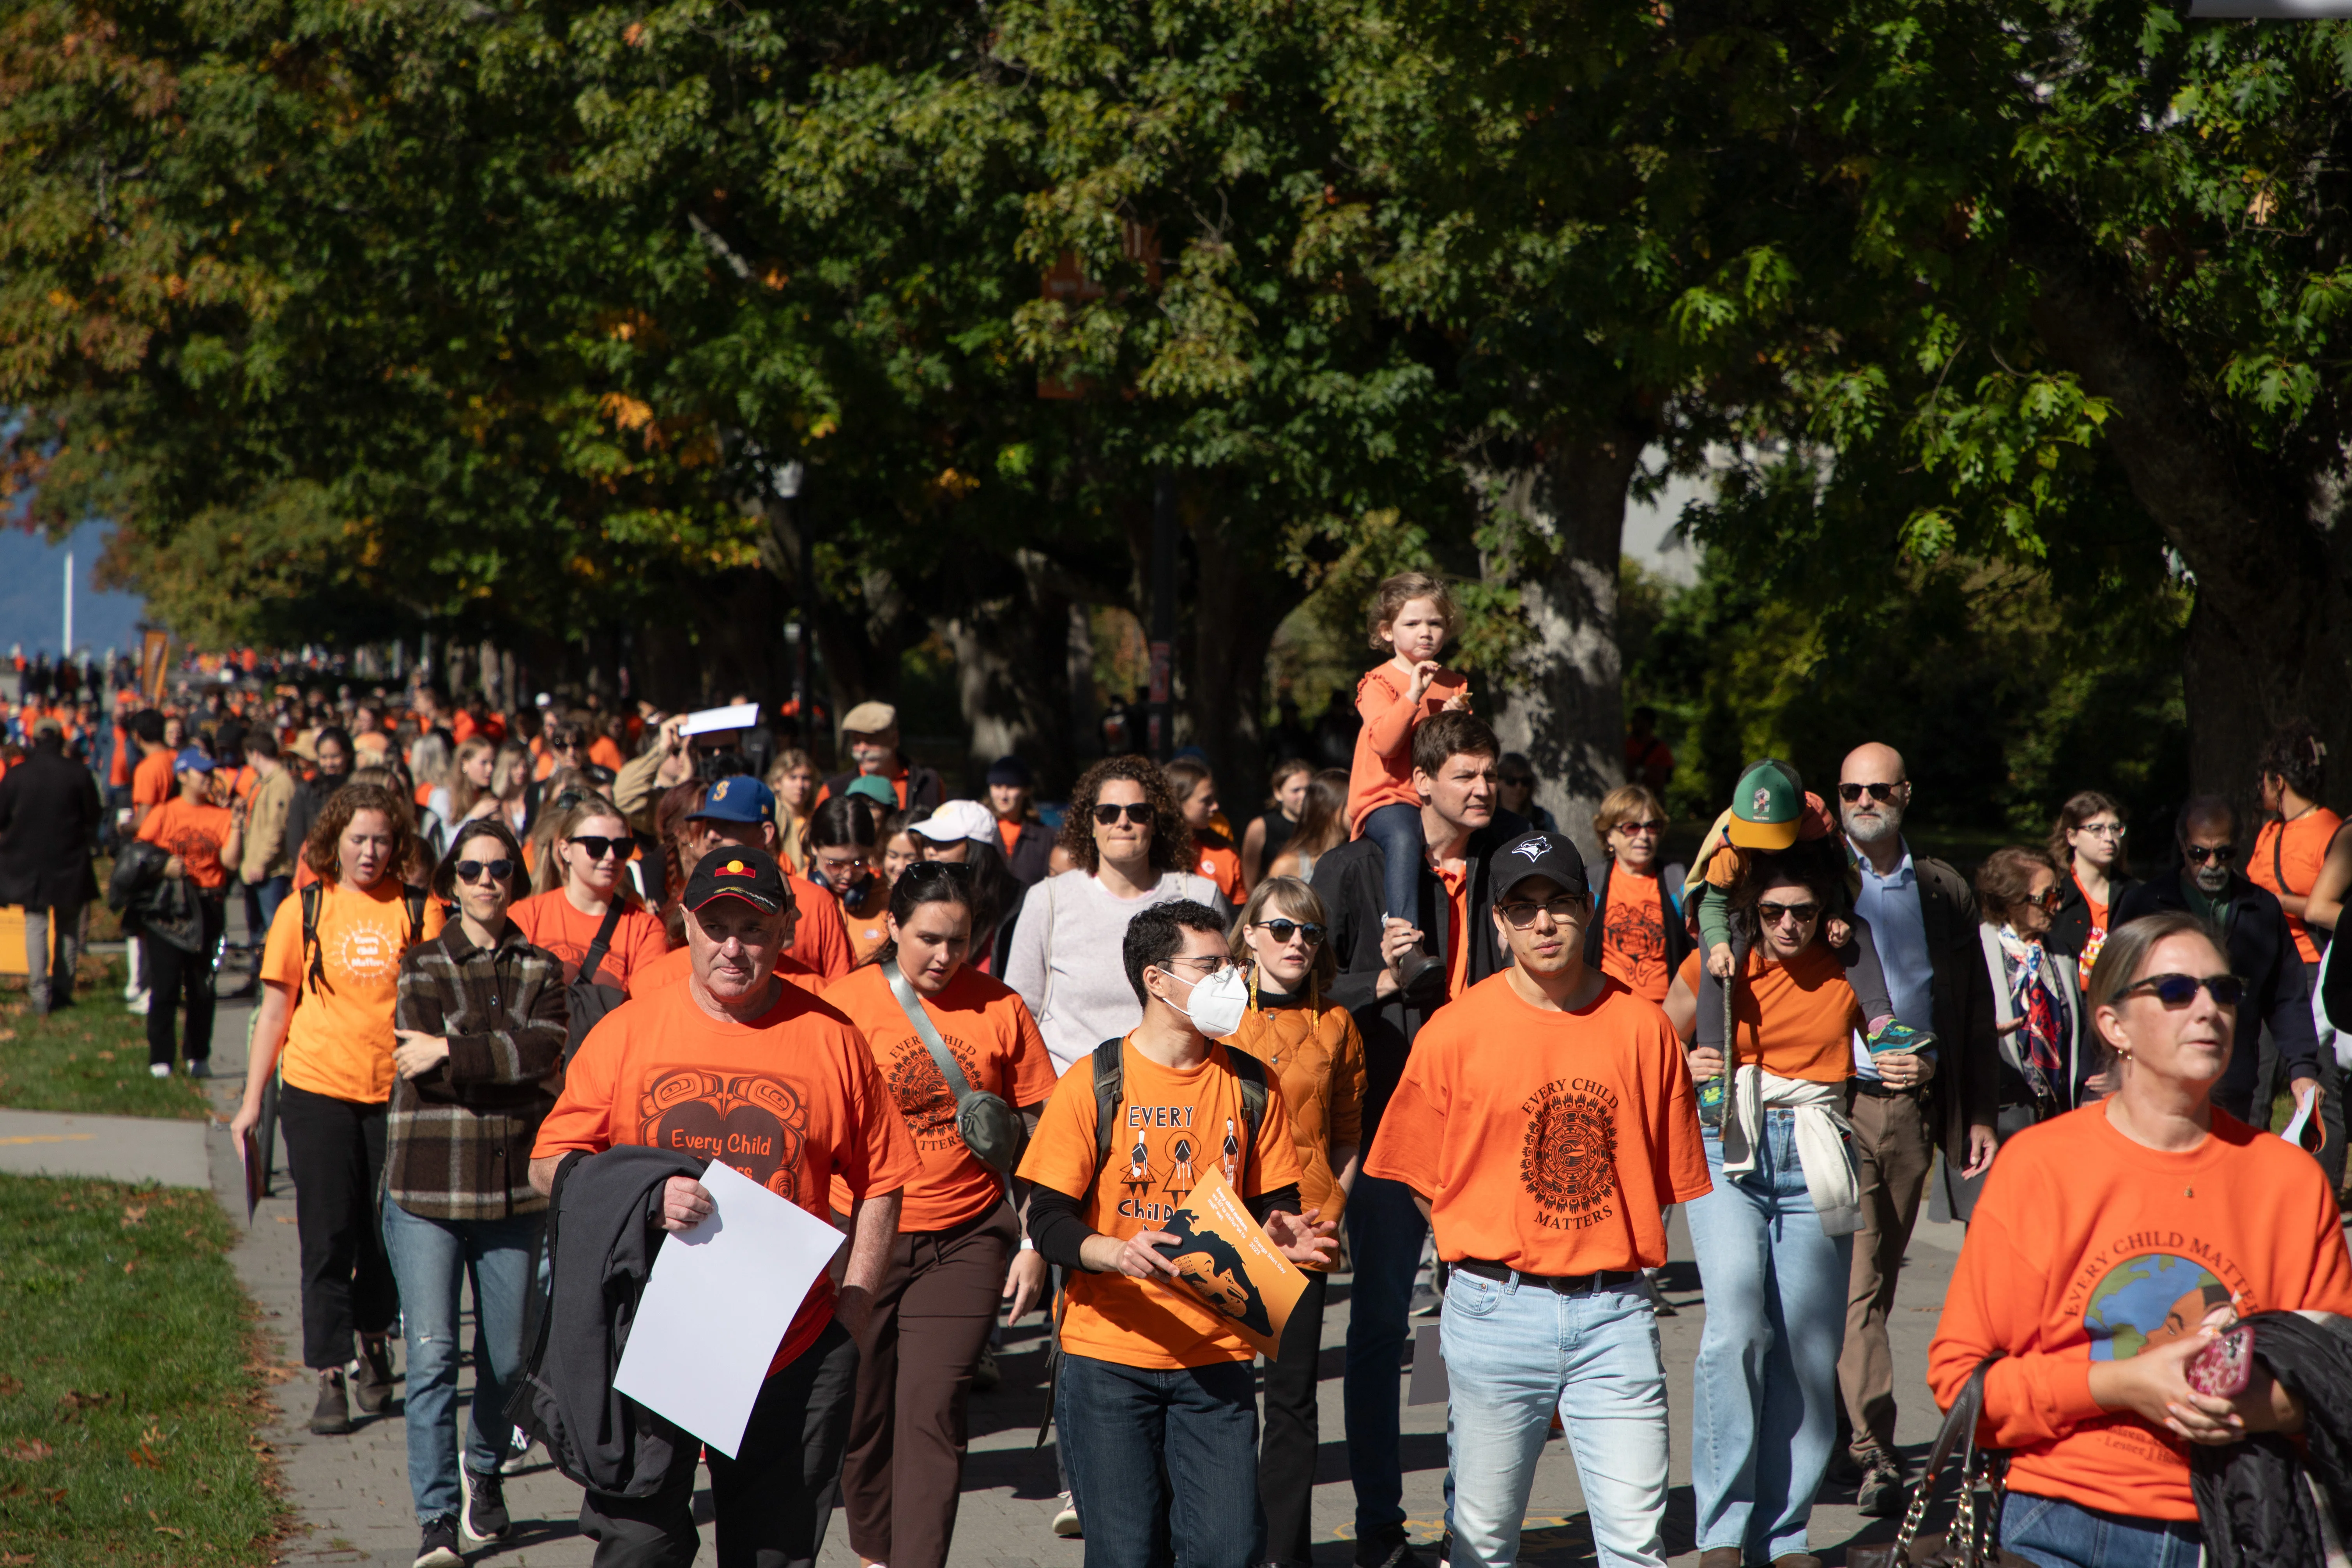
(340, 1040)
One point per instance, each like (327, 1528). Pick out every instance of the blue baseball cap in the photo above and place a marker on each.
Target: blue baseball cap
(192, 761)
(737, 797)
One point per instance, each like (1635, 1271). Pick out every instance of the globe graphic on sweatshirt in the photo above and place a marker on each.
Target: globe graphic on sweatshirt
(2149, 1299)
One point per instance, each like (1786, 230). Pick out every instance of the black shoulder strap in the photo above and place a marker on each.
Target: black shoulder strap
(593, 959)
(1252, 1073)
(1110, 1082)
(415, 899)
(315, 964)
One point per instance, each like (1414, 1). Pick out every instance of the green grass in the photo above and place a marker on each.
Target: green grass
(90, 1056)
(131, 1382)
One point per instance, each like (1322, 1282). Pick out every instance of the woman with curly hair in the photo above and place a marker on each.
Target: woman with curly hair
(330, 980)
(1128, 849)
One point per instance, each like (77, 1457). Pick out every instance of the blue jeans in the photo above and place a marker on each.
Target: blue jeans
(430, 1257)
(268, 894)
(1514, 1352)
(1384, 1235)
(2060, 1534)
(1396, 828)
(1123, 1427)
(1764, 1400)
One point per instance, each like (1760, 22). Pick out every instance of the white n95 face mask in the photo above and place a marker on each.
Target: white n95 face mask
(1218, 1002)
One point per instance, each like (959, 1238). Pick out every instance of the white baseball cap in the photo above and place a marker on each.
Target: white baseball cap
(959, 819)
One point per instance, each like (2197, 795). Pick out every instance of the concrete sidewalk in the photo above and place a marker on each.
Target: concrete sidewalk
(352, 1492)
(118, 1148)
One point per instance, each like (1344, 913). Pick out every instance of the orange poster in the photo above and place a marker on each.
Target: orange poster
(1230, 1263)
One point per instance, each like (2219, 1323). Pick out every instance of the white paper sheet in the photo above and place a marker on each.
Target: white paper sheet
(2294, 1132)
(717, 1305)
(734, 716)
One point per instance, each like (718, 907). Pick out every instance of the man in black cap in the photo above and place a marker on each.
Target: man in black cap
(735, 1064)
(1545, 1171)
(50, 815)
(1028, 845)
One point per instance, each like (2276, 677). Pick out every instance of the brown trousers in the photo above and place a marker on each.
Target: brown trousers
(1893, 1152)
(938, 1299)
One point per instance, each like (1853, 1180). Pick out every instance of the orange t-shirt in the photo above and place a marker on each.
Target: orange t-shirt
(1633, 934)
(791, 1099)
(118, 769)
(150, 781)
(1457, 939)
(1008, 830)
(1557, 1155)
(866, 933)
(193, 833)
(1221, 864)
(2086, 1246)
(996, 1042)
(1795, 1020)
(2299, 848)
(2097, 938)
(604, 753)
(547, 919)
(1381, 774)
(1171, 1124)
(340, 1040)
(820, 939)
(674, 966)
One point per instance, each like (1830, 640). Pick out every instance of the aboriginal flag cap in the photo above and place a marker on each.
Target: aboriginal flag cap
(737, 871)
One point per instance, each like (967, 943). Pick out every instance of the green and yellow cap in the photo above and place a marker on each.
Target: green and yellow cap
(1766, 807)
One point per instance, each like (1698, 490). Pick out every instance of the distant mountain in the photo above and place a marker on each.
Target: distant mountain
(32, 594)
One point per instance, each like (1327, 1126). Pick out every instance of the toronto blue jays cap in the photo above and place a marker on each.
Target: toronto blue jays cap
(1553, 854)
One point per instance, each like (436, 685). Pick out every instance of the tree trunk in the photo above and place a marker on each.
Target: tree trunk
(1561, 700)
(1012, 670)
(2270, 636)
(1239, 596)
(862, 639)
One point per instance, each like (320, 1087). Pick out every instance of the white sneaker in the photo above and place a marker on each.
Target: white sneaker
(519, 1460)
(158, 1069)
(1065, 1523)
(137, 1003)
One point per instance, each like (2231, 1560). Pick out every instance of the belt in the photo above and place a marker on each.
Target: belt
(1879, 1091)
(1564, 1284)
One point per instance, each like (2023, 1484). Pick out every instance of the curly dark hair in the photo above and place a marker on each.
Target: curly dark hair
(1171, 840)
(2294, 756)
(1819, 864)
(322, 850)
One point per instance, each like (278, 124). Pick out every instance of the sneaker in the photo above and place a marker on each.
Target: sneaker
(439, 1547)
(1387, 1549)
(158, 1069)
(1894, 1036)
(519, 1460)
(485, 1517)
(1066, 1520)
(372, 1378)
(137, 1005)
(332, 1417)
(1659, 1306)
(986, 1374)
(200, 1067)
(1880, 1493)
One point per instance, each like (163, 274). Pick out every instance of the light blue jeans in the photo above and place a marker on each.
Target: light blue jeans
(2055, 1533)
(1765, 1389)
(1515, 1352)
(430, 1258)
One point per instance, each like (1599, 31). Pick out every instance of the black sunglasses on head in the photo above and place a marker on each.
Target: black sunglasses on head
(1138, 812)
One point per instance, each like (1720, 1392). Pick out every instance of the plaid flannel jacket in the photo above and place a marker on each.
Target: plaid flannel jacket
(459, 1138)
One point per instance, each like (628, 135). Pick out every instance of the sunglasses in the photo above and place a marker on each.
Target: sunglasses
(1283, 931)
(1773, 914)
(1518, 781)
(1630, 828)
(2179, 990)
(1882, 793)
(2220, 854)
(474, 870)
(1522, 914)
(1138, 811)
(598, 847)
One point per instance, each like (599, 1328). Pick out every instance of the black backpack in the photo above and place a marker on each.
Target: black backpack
(588, 1000)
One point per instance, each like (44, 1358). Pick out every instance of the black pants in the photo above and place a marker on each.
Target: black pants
(178, 978)
(1285, 1451)
(772, 1501)
(334, 1151)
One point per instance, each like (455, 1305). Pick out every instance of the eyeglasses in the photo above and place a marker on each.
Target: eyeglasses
(1630, 828)
(1209, 966)
(598, 847)
(1522, 913)
(2179, 990)
(838, 864)
(1773, 914)
(2220, 854)
(1283, 931)
(2114, 830)
(1850, 792)
(474, 870)
(1138, 811)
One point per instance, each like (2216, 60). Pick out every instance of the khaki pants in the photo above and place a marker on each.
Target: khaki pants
(1892, 1153)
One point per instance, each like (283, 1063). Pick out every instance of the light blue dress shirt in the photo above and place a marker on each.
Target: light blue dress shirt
(1899, 929)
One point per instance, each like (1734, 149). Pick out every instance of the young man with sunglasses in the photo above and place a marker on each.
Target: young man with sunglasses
(2276, 992)
(1904, 1106)
(1544, 1170)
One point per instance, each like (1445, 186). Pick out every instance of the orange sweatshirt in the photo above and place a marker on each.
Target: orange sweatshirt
(1382, 772)
(2086, 1246)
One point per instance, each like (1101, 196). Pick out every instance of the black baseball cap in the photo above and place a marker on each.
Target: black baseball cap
(1553, 854)
(737, 871)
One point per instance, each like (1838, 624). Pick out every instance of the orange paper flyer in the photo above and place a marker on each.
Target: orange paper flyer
(1227, 1260)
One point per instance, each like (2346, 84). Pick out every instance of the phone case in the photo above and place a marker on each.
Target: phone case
(2225, 1367)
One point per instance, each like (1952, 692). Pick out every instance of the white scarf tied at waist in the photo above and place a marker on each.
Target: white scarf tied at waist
(1821, 1128)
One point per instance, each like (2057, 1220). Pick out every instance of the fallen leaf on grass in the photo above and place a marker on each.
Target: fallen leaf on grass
(14, 1559)
(146, 1458)
(164, 1530)
(129, 1265)
(105, 1056)
(135, 1214)
(27, 1449)
(284, 1218)
(74, 1402)
(9, 1385)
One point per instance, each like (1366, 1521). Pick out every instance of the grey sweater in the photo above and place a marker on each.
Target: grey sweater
(1067, 964)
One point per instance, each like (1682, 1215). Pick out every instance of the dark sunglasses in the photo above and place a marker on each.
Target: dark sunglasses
(1138, 811)
(472, 871)
(2179, 990)
(2220, 854)
(1773, 914)
(937, 870)
(598, 846)
(1518, 781)
(1283, 931)
(1882, 793)
(1567, 907)
(1630, 828)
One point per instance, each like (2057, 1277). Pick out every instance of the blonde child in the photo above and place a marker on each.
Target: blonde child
(1413, 616)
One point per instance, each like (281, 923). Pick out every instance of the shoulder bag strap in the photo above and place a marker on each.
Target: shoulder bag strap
(593, 959)
(316, 969)
(941, 1057)
(1959, 1428)
(1110, 1083)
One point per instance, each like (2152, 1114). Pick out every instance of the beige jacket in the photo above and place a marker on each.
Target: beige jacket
(267, 851)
